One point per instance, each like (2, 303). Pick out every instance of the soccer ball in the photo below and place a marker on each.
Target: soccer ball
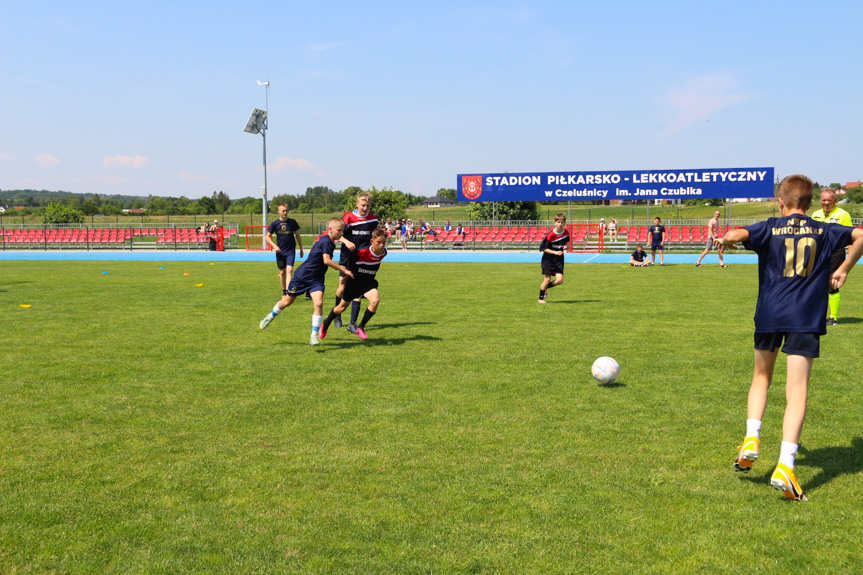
(605, 370)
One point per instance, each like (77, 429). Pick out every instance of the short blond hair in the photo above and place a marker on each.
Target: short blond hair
(339, 223)
(364, 196)
(796, 192)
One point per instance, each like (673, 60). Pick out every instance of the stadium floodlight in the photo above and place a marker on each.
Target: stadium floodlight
(257, 124)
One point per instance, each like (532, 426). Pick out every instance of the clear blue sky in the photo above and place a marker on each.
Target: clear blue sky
(151, 97)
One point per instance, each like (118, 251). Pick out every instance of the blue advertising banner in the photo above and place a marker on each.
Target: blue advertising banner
(622, 185)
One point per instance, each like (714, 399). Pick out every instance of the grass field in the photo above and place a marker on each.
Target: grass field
(148, 426)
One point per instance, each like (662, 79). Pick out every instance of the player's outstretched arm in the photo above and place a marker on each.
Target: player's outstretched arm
(855, 250)
(350, 245)
(328, 261)
(730, 239)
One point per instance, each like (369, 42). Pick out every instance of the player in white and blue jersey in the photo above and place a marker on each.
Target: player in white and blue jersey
(794, 254)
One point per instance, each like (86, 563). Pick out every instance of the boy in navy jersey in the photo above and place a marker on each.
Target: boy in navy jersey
(793, 276)
(657, 241)
(287, 232)
(358, 232)
(310, 278)
(552, 247)
(364, 264)
(638, 256)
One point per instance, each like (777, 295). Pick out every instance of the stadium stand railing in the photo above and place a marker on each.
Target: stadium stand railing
(683, 235)
(174, 236)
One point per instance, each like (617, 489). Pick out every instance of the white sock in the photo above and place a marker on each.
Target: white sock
(788, 454)
(317, 320)
(276, 310)
(753, 428)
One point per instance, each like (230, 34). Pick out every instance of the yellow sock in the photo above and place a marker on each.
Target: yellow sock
(833, 300)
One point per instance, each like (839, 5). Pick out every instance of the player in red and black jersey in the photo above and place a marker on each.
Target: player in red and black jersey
(359, 225)
(364, 265)
(553, 246)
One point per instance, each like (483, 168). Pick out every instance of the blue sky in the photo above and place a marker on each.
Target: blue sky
(151, 97)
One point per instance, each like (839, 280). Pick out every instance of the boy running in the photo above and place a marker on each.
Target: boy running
(364, 265)
(794, 254)
(552, 247)
(358, 232)
(287, 232)
(657, 240)
(310, 278)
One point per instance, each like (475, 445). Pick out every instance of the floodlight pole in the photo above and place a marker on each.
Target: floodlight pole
(264, 191)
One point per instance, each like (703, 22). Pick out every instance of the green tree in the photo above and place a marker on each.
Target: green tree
(386, 203)
(222, 201)
(449, 193)
(206, 205)
(60, 214)
(504, 211)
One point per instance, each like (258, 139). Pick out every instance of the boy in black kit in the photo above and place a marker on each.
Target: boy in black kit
(358, 229)
(364, 265)
(552, 247)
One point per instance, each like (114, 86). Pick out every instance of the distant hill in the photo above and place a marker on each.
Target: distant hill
(35, 198)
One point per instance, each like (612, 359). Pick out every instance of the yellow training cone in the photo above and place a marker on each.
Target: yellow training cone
(199, 285)
(25, 305)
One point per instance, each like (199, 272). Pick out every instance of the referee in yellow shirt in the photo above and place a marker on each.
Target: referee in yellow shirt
(830, 213)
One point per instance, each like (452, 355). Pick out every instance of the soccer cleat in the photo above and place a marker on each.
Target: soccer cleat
(748, 454)
(698, 265)
(314, 339)
(266, 321)
(338, 321)
(361, 333)
(832, 321)
(352, 327)
(322, 332)
(783, 479)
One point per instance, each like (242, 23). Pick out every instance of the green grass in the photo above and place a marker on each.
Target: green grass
(148, 426)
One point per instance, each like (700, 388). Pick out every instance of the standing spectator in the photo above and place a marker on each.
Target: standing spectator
(830, 213)
(712, 237)
(657, 241)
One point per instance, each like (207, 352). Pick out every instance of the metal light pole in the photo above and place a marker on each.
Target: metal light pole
(257, 124)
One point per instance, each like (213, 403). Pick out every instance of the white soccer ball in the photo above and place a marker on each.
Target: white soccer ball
(605, 370)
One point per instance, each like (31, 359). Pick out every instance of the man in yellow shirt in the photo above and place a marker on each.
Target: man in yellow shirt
(830, 213)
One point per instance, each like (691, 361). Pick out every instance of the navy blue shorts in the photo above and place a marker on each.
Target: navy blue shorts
(654, 247)
(805, 344)
(283, 260)
(299, 287)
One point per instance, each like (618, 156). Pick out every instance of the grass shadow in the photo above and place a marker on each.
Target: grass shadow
(575, 301)
(833, 462)
(612, 385)
(330, 345)
(851, 320)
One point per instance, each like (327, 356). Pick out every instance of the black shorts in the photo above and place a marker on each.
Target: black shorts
(805, 344)
(283, 260)
(654, 247)
(356, 289)
(836, 259)
(551, 269)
